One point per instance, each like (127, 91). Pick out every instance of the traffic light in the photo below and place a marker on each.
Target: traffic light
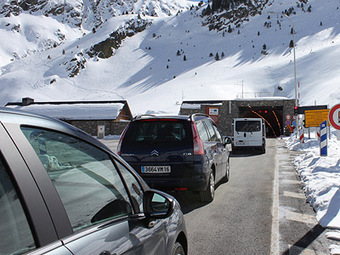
(295, 110)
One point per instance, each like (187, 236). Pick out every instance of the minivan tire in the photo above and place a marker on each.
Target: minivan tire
(208, 194)
(226, 177)
(177, 249)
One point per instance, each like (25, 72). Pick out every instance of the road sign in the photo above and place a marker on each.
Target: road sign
(288, 117)
(288, 122)
(313, 118)
(303, 109)
(334, 116)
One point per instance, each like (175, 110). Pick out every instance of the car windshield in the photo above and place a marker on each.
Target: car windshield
(248, 126)
(158, 132)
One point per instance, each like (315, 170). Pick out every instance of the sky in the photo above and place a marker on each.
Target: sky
(147, 71)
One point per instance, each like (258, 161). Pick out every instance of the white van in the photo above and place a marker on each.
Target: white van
(249, 133)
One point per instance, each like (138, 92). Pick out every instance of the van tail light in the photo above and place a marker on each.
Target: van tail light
(120, 140)
(198, 145)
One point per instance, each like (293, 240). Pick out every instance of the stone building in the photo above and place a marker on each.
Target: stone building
(277, 112)
(98, 118)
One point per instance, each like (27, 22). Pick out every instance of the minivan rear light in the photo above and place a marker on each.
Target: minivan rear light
(198, 145)
(181, 189)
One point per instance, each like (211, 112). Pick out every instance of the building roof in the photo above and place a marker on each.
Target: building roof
(74, 110)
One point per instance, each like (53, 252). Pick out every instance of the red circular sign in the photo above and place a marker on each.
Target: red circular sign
(334, 116)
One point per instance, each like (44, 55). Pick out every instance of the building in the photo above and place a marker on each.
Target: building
(277, 112)
(98, 118)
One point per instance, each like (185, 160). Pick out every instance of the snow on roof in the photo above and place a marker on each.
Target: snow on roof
(262, 99)
(81, 111)
(190, 106)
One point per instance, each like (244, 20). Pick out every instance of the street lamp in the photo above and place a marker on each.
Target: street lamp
(296, 86)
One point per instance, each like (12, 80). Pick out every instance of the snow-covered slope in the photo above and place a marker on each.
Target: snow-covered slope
(174, 58)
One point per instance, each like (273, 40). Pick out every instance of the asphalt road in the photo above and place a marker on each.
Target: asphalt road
(261, 210)
(239, 220)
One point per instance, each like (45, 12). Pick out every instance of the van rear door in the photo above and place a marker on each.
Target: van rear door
(248, 132)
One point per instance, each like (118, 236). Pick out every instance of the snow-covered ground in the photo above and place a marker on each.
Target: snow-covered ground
(147, 71)
(320, 177)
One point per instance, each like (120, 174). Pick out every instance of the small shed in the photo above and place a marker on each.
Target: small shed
(98, 118)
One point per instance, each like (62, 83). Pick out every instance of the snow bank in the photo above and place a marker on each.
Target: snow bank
(320, 177)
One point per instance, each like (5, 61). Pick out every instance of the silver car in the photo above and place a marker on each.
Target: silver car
(63, 192)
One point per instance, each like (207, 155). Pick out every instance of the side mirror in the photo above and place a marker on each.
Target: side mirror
(227, 140)
(157, 204)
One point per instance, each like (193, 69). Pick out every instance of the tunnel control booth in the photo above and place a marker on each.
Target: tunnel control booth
(277, 112)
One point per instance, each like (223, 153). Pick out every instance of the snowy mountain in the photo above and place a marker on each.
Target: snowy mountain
(157, 53)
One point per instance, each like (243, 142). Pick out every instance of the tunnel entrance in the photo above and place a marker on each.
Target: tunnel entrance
(272, 115)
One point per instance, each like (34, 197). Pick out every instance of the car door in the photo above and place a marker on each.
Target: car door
(216, 149)
(224, 151)
(25, 223)
(103, 210)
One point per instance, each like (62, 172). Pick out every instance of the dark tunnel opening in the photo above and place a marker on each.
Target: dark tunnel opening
(272, 115)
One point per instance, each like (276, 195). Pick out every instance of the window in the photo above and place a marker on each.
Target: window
(84, 176)
(15, 233)
(202, 131)
(133, 186)
(159, 131)
(211, 131)
(248, 126)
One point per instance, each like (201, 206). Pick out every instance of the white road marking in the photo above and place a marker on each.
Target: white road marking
(299, 217)
(291, 181)
(287, 173)
(300, 250)
(275, 240)
(294, 194)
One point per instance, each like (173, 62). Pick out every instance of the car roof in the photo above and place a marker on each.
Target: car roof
(158, 116)
(21, 117)
(193, 117)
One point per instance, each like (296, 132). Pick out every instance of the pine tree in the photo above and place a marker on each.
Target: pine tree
(291, 44)
(217, 57)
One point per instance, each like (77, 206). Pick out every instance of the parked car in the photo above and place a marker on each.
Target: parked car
(177, 152)
(63, 192)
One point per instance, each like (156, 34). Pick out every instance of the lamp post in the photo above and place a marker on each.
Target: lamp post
(295, 80)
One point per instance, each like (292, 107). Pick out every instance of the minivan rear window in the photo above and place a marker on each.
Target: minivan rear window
(248, 126)
(158, 132)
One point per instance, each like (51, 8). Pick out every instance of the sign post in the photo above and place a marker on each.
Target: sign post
(323, 138)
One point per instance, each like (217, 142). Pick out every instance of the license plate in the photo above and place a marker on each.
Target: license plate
(156, 169)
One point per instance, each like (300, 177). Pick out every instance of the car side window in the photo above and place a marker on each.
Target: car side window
(85, 177)
(211, 131)
(218, 135)
(15, 233)
(202, 131)
(133, 186)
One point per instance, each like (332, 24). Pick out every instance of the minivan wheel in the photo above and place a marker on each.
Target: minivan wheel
(177, 249)
(208, 194)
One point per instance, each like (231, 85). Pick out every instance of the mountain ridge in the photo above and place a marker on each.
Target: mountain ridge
(174, 58)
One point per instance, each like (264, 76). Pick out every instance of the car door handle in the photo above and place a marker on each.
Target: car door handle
(107, 253)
